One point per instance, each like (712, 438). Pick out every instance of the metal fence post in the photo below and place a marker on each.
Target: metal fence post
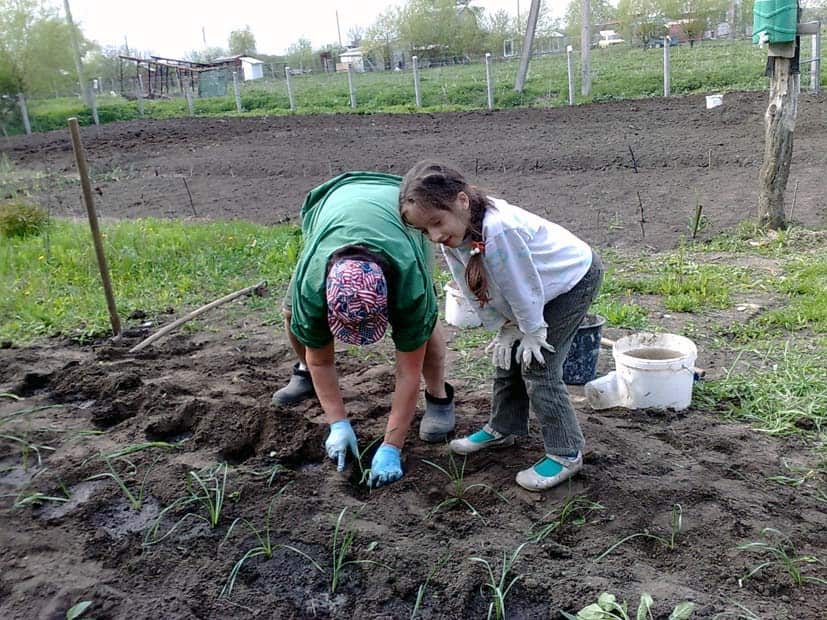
(488, 82)
(139, 91)
(188, 95)
(815, 65)
(237, 92)
(417, 93)
(667, 78)
(24, 112)
(93, 100)
(350, 85)
(289, 89)
(570, 68)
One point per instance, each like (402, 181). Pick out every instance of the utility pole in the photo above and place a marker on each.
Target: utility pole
(585, 49)
(528, 42)
(338, 30)
(76, 49)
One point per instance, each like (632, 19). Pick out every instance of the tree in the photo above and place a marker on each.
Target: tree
(300, 54)
(35, 49)
(439, 28)
(500, 27)
(380, 36)
(602, 13)
(242, 42)
(206, 55)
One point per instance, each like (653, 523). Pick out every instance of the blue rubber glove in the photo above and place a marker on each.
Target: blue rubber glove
(386, 466)
(339, 441)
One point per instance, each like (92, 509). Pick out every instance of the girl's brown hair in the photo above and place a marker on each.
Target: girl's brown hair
(431, 185)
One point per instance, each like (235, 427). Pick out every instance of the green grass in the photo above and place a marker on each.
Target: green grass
(618, 73)
(50, 284)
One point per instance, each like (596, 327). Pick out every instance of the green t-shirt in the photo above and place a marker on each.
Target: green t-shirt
(362, 208)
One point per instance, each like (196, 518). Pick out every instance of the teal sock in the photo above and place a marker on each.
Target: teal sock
(548, 467)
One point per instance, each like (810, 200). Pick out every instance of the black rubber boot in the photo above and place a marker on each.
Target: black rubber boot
(298, 389)
(438, 420)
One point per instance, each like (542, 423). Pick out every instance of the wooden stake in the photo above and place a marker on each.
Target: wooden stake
(177, 323)
(80, 159)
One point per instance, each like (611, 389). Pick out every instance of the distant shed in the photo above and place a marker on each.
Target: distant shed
(252, 68)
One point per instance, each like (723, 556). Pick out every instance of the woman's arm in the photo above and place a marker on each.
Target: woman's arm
(320, 363)
(405, 395)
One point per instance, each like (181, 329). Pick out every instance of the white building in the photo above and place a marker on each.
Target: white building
(252, 68)
(353, 56)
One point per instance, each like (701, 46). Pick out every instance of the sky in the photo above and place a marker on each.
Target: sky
(172, 28)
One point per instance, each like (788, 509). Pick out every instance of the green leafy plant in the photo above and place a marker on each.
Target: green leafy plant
(420, 592)
(343, 538)
(21, 218)
(575, 509)
(206, 488)
(135, 499)
(460, 490)
(27, 448)
(782, 553)
(77, 610)
(264, 548)
(497, 583)
(607, 608)
(676, 526)
(270, 473)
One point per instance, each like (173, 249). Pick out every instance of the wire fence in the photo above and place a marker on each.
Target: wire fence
(554, 79)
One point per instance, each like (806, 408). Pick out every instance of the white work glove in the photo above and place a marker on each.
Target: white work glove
(531, 347)
(500, 348)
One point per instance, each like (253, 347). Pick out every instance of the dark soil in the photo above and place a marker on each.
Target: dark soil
(208, 392)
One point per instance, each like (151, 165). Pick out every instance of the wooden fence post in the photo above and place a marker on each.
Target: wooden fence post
(93, 101)
(570, 70)
(86, 185)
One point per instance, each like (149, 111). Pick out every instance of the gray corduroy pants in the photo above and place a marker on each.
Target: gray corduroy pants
(540, 389)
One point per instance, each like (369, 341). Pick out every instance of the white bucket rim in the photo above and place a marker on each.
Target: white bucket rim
(687, 348)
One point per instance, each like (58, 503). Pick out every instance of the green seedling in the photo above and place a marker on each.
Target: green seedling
(607, 608)
(742, 613)
(676, 526)
(77, 610)
(35, 498)
(139, 447)
(575, 510)
(420, 592)
(206, 488)
(264, 547)
(135, 499)
(342, 542)
(270, 473)
(10, 395)
(26, 449)
(460, 491)
(783, 554)
(364, 472)
(497, 585)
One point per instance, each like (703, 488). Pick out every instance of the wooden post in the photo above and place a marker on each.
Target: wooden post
(80, 159)
(350, 85)
(417, 92)
(139, 89)
(528, 43)
(289, 89)
(24, 112)
(190, 106)
(667, 78)
(585, 49)
(489, 84)
(570, 70)
(779, 121)
(237, 92)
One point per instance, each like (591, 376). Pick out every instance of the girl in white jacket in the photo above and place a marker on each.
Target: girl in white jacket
(532, 281)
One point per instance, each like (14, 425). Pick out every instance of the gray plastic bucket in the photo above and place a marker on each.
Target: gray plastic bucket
(580, 365)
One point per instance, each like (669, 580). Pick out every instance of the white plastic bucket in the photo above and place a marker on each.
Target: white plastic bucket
(713, 101)
(458, 311)
(652, 371)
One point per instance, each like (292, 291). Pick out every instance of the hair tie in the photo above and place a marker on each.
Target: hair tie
(477, 247)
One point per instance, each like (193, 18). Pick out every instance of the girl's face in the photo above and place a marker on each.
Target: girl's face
(441, 226)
